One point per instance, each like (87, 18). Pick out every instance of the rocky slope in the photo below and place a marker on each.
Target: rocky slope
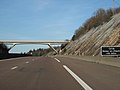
(90, 43)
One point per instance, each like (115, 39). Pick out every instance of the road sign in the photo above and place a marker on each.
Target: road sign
(110, 50)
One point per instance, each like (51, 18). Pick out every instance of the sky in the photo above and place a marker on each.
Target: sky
(45, 19)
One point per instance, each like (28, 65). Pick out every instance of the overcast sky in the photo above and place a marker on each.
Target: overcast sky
(45, 19)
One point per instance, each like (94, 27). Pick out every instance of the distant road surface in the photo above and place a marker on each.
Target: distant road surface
(49, 73)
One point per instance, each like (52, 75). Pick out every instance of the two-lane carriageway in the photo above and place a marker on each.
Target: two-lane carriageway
(55, 73)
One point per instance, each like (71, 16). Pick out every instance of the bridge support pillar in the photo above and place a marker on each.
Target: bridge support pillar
(12, 46)
(53, 48)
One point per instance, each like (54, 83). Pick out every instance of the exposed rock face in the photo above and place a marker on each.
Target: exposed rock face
(107, 34)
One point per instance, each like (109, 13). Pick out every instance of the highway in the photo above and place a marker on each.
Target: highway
(57, 73)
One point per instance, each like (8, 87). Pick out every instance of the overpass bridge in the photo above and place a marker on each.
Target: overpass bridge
(43, 42)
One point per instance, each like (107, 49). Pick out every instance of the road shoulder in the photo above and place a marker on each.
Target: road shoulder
(112, 61)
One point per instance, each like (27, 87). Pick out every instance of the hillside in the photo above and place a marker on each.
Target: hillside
(107, 34)
(101, 29)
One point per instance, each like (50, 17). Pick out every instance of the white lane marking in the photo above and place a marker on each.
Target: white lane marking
(27, 62)
(79, 80)
(33, 59)
(14, 67)
(57, 60)
(3, 60)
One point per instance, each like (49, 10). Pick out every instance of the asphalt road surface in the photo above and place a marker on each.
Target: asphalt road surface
(48, 73)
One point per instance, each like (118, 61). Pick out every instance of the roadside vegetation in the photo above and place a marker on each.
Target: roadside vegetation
(42, 51)
(3, 49)
(100, 17)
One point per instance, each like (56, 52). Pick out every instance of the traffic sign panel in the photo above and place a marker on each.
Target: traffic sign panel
(110, 50)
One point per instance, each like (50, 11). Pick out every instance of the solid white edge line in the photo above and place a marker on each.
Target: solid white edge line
(57, 60)
(79, 80)
(14, 67)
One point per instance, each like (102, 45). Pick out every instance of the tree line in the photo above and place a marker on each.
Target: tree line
(99, 18)
(3, 49)
(41, 51)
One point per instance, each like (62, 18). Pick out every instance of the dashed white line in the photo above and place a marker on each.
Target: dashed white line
(33, 59)
(79, 80)
(27, 62)
(14, 67)
(57, 60)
